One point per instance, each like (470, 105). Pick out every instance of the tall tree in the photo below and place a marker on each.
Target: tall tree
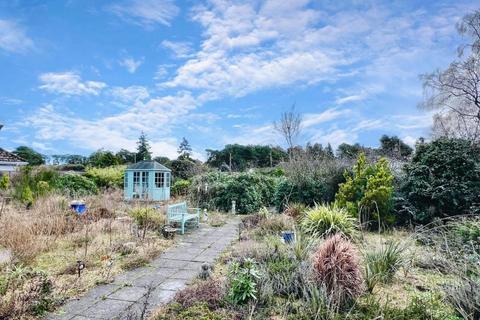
(394, 147)
(143, 148)
(31, 156)
(455, 92)
(289, 126)
(126, 156)
(184, 149)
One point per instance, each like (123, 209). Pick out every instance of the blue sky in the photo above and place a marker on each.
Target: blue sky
(81, 75)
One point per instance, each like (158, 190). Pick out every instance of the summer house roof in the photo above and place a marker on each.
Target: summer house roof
(148, 165)
(6, 156)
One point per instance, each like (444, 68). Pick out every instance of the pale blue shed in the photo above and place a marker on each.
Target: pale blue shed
(147, 180)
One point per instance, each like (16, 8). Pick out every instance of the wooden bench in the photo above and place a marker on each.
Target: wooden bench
(179, 212)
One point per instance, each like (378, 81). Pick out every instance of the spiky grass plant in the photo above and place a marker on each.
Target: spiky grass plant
(326, 220)
(295, 210)
(381, 265)
(336, 268)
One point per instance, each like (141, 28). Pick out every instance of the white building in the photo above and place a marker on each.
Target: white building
(9, 162)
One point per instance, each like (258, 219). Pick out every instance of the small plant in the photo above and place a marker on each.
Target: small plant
(243, 286)
(381, 265)
(27, 196)
(180, 187)
(217, 219)
(465, 297)
(210, 292)
(148, 218)
(336, 267)
(325, 220)
(4, 182)
(295, 210)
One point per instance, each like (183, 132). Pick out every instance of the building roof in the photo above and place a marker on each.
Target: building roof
(148, 165)
(6, 156)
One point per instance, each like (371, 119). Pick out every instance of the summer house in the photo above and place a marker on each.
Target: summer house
(147, 180)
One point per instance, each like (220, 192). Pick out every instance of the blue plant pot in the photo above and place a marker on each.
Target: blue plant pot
(79, 208)
(288, 236)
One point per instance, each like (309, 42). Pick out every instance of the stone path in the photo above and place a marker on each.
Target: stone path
(134, 294)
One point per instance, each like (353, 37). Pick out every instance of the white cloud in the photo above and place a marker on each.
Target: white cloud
(249, 48)
(13, 37)
(312, 119)
(180, 49)
(131, 64)
(156, 117)
(146, 13)
(348, 99)
(10, 101)
(130, 94)
(69, 83)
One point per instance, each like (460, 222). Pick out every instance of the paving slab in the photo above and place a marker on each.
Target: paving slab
(136, 293)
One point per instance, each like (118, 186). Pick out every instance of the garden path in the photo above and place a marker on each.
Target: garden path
(136, 293)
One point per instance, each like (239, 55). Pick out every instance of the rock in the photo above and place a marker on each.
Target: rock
(5, 256)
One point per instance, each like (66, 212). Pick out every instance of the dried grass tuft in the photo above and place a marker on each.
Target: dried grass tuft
(336, 267)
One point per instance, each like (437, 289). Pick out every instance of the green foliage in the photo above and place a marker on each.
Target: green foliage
(216, 190)
(4, 182)
(197, 311)
(126, 156)
(394, 147)
(243, 283)
(36, 298)
(325, 220)
(180, 187)
(244, 157)
(184, 149)
(107, 177)
(31, 156)
(42, 188)
(309, 192)
(422, 306)
(381, 265)
(368, 191)
(75, 185)
(27, 195)
(349, 151)
(143, 148)
(443, 179)
(148, 218)
(103, 159)
(184, 168)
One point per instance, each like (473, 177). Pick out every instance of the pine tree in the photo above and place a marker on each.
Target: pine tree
(143, 148)
(329, 151)
(184, 149)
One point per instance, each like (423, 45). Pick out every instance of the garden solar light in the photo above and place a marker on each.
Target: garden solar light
(80, 267)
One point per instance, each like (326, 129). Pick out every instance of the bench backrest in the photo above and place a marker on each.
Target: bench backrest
(177, 208)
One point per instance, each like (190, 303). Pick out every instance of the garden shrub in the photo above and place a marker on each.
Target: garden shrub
(75, 185)
(443, 179)
(180, 187)
(326, 220)
(308, 193)
(368, 191)
(108, 177)
(27, 196)
(210, 292)
(243, 281)
(216, 190)
(381, 265)
(25, 291)
(336, 267)
(148, 218)
(4, 182)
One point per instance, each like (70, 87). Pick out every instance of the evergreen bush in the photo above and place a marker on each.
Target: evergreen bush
(368, 191)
